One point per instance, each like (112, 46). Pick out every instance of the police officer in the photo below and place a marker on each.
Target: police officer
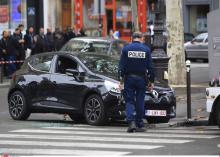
(135, 69)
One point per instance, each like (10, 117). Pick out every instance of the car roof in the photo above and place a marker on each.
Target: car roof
(76, 54)
(91, 39)
(95, 39)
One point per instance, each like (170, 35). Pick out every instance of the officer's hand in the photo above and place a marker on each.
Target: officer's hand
(150, 87)
(4, 51)
(121, 86)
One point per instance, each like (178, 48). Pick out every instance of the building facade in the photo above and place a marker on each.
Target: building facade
(117, 15)
(195, 14)
(12, 13)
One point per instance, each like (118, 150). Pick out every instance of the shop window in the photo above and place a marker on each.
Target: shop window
(17, 15)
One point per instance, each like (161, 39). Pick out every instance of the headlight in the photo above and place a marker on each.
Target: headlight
(207, 92)
(112, 86)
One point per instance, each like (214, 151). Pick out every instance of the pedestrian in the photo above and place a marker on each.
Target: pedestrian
(19, 46)
(21, 28)
(135, 69)
(50, 40)
(58, 39)
(81, 33)
(29, 41)
(69, 34)
(41, 42)
(8, 49)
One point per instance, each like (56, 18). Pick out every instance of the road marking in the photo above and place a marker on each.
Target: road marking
(35, 131)
(80, 144)
(59, 152)
(97, 138)
(148, 131)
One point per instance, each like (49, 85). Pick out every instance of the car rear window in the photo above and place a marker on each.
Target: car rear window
(41, 63)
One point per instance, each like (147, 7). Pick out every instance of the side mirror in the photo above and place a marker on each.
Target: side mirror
(79, 76)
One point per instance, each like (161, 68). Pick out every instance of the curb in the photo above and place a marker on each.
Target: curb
(192, 86)
(4, 85)
(180, 123)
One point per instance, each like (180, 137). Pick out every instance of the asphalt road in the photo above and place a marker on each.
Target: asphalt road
(49, 134)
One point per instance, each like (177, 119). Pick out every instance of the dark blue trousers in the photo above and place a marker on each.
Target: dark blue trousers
(10, 67)
(134, 93)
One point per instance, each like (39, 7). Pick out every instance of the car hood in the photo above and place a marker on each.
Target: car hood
(187, 44)
(159, 85)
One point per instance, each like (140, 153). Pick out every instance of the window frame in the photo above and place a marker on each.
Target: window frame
(67, 56)
(38, 70)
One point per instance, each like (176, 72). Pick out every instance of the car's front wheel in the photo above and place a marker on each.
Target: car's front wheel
(18, 108)
(94, 110)
(155, 120)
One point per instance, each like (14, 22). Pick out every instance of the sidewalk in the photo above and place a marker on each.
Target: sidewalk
(198, 105)
(5, 83)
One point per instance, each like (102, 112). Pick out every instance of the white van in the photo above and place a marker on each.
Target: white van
(213, 105)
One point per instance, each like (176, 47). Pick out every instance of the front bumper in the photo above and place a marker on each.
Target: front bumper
(115, 105)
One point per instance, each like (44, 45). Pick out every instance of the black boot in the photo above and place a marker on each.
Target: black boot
(131, 127)
(141, 129)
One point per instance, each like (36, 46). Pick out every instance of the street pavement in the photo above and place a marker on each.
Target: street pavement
(50, 134)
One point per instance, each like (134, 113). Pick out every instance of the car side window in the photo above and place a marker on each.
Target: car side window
(200, 38)
(64, 63)
(41, 63)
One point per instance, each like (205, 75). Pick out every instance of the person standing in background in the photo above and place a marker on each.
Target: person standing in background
(50, 40)
(29, 41)
(19, 46)
(58, 39)
(8, 50)
(41, 42)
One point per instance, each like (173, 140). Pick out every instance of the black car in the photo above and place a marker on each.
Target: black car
(83, 85)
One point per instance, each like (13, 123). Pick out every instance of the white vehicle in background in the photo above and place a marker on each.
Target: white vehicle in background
(213, 103)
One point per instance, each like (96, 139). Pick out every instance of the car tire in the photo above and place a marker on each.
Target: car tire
(77, 118)
(155, 120)
(18, 107)
(217, 114)
(94, 110)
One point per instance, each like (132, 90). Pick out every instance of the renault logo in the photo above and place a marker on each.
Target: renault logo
(155, 94)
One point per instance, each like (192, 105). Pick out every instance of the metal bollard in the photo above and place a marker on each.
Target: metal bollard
(188, 82)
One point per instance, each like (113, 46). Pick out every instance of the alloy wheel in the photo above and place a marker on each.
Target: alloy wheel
(16, 105)
(93, 110)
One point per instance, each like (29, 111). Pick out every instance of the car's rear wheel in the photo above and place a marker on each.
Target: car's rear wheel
(18, 107)
(155, 120)
(94, 110)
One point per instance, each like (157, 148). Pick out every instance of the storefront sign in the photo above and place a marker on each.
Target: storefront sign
(16, 10)
(216, 43)
(4, 19)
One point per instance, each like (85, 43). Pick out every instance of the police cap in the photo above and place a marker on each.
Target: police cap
(137, 35)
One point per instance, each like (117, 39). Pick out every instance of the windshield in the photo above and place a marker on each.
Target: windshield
(101, 64)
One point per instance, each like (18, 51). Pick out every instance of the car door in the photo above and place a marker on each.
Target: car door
(195, 48)
(39, 79)
(67, 90)
(204, 48)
